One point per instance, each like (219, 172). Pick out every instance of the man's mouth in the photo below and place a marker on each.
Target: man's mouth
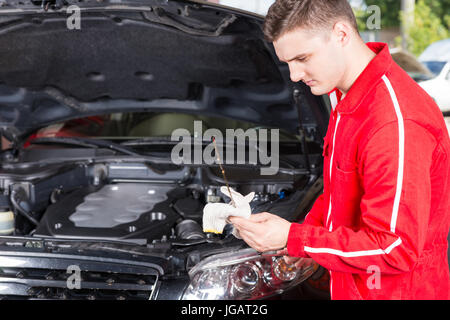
(310, 82)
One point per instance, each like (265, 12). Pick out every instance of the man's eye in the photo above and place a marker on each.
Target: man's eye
(302, 59)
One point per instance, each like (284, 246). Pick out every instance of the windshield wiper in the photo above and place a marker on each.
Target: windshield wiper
(87, 143)
(149, 141)
(153, 162)
(98, 143)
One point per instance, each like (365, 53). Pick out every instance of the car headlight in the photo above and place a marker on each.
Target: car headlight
(243, 274)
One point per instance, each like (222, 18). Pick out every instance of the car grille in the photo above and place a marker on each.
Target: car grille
(75, 279)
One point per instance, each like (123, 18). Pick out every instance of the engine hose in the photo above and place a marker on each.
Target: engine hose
(22, 211)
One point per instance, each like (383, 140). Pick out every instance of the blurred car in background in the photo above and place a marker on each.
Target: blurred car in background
(408, 62)
(436, 58)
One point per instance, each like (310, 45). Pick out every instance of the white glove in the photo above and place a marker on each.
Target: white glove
(215, 215)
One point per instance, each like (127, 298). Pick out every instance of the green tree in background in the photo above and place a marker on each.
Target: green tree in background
(430, 25)
(431, 21)
(441, 8)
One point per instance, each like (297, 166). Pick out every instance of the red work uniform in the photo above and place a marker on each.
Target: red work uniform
(381, 225)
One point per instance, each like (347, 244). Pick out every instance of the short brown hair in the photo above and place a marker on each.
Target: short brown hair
(287, 15)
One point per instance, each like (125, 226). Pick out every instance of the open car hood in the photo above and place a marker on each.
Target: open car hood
(155, 55)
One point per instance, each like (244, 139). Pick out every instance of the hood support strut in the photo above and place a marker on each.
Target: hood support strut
(299, 98)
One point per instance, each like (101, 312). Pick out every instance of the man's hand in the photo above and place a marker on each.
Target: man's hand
(298, 262)
(263, 231)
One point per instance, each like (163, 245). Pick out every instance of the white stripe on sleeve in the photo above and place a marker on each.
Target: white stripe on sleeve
(401, 153)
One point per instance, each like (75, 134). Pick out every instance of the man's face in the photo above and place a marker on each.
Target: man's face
(313, 58)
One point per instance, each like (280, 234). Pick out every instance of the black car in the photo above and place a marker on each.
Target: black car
(93, 202)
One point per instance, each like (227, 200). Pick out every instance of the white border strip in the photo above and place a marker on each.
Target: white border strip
(352, 254)
(401, 153)
(331, 165)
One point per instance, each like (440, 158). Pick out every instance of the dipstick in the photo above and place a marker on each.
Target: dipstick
(223, 171)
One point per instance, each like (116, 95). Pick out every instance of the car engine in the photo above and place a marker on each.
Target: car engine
(130, 201)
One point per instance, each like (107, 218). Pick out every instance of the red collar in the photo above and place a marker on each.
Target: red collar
(367, 79)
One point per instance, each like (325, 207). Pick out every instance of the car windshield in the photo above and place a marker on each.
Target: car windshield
(434, 66)
(139, 125)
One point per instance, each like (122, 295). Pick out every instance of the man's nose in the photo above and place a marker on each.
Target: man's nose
(297, 73)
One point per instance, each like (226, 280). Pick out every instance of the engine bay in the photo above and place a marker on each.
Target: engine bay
(133, 202)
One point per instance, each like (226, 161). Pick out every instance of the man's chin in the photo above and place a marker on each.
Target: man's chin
(318, 91)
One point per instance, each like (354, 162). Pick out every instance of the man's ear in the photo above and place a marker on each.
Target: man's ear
(342, 32)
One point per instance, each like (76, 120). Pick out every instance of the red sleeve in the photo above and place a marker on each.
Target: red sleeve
(395, 207)
(315, 215)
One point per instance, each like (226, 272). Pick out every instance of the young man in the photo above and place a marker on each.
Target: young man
(381, 225)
